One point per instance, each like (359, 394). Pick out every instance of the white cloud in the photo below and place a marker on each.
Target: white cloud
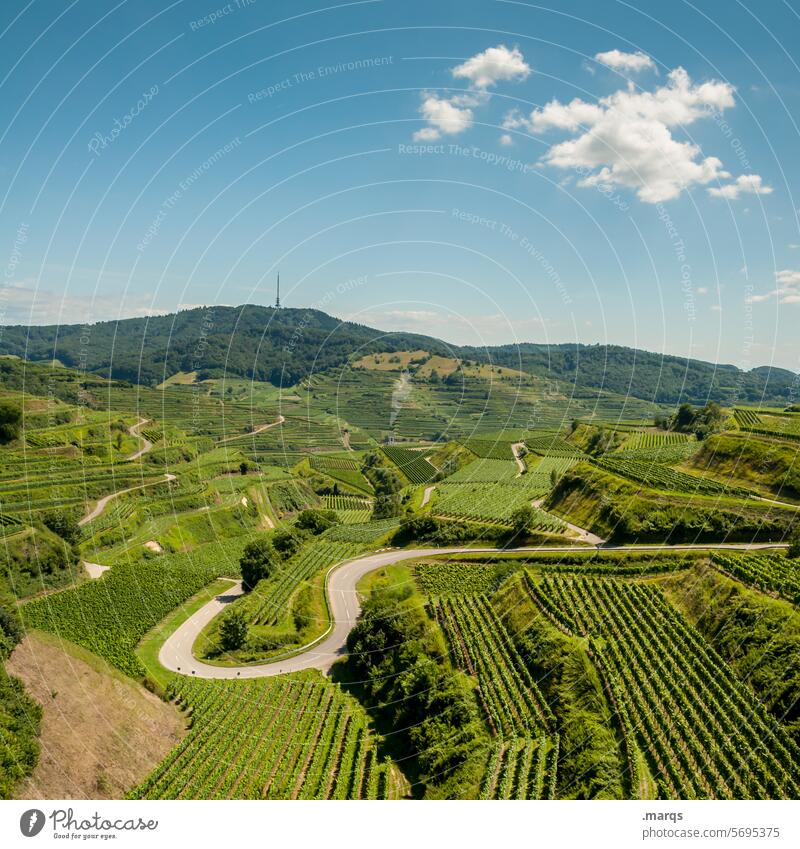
(744, 184)
(506, 140)
(444, 117)
(620, 61)
(787, 291)
(453, 115)
(625, 139)
(702, 290)
(493, 65)
(26, 303)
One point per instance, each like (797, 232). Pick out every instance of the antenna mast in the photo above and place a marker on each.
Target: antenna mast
(278, 296)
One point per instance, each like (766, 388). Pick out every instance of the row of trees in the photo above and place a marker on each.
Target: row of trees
(701, 421)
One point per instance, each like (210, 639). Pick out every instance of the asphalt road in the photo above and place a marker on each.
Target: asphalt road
(176, 653)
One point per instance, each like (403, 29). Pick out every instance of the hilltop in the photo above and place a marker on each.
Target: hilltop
(285, 346)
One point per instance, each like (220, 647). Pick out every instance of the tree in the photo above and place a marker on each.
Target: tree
(287, 542)
(522, 519)
(10, 418)
(64, 524)
(258, 561)
(794, 544)
(244, 467)
(233, 631)
(316, 521)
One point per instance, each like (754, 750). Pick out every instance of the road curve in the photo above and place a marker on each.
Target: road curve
(104, 501)
(280, 421)
(176, 653)
(147, 445)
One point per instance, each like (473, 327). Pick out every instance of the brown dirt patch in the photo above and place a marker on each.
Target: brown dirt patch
(102, 733)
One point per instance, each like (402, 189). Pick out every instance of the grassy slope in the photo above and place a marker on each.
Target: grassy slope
(745, 460)
(759, 636)
(614, 507)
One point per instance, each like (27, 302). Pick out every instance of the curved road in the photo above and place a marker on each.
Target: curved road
(176, 653)
(259, 429)
(103, 502)
(147, 445)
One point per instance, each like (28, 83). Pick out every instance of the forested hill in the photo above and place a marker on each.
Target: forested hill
(280, 346)
(283, 346)
(655, 377)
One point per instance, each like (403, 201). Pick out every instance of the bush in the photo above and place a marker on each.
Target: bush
(258, 561)
(10, 419)
(233, 631)
(316, 521)
(63, 523)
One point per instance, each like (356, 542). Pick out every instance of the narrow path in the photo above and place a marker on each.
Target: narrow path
(345, 605)
(520, 462)
(104, 501)
(426, 496)
(584, 535)
(133, 430)
(261, 428)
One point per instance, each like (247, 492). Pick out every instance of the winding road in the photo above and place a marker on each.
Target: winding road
(344, 604)
(259, 429)
(104, 501)
(147, 445)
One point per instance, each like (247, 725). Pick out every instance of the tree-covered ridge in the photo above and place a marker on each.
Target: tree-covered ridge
(284, 346)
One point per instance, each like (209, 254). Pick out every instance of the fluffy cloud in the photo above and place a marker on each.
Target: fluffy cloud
(625, 139)
(787, 291)
(493, 65)
(744, 184)
(620, 61)
(453, 115)
(444, 116)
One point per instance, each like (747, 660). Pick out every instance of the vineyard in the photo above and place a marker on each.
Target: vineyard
(366, 534)
(343, 470)
(659, 476)
(489, 471)
(655, 439)
(497, 504)
(746, 417)
(489, 449)
(525, 757)
(772, 573)
(280, 738)
(446, 578)
(521, 769)
(269, 601)
(703, 733)
(110, 616)
(413, 464)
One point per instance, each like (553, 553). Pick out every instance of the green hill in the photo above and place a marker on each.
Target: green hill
(285, 346)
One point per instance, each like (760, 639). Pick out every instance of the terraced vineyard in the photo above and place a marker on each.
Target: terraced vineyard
(313, 558)
(288, 738)
(746, 417)
(659, 476)
(489, 449)
(655, 439)
(365, 534)
(413, 464)
(703, 733)
(474, 501)
(489, 471)
(525, 758)
(668, 454)
(772, 573)
(110, 616)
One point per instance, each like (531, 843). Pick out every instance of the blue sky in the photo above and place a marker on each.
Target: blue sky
(486, 172)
